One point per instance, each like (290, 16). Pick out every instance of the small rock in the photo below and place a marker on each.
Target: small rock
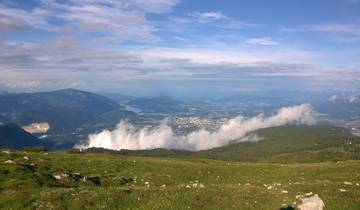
(9, 162)
(187, 186)
(6, 151)
(163, 186)
(308, 194)
(284, 192)
(95, 180)
(348, 183)
(57, 176)
(75, 176)
(357, 184)
(311, 203)
(342, 190)
(26, 157)
(124, 181)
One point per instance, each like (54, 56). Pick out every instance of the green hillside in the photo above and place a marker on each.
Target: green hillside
(292, 143)
(108, 181)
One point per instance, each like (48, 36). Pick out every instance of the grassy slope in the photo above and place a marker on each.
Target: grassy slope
(225, 183)
(295, 143)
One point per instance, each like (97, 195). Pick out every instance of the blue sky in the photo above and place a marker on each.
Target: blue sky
(152, 46)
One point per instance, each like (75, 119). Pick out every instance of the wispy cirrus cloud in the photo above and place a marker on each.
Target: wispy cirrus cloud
(342, 31)
(266, 41)
(222, 21)
(206, 17)
(118, 20)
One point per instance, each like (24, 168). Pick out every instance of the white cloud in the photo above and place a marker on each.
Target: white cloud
(12, 18)
(234, 56)
(342, 31)
(125, 136)
(336, 28)
(116, 20)
(207, 16)
(266, 41)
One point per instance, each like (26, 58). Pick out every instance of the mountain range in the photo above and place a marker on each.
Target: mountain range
(70, 113)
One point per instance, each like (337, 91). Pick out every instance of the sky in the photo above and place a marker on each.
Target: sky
(179, 46)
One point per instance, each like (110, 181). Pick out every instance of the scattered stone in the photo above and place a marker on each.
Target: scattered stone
(26, 157)
(348, 183)
(57, 176)
(124, 181)
(342, 190)
(311, 203)
(357, 184)
(9, 162)
(95, 180)
(270, 187)
(61, 176)
(201, 185)
(284, 192)
(6, 151)
(308, 194)
(163, 186)
(187, 186)
(75, 176)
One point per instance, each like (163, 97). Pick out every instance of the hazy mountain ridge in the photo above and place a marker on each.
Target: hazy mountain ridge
(14, 137)
(67, 111)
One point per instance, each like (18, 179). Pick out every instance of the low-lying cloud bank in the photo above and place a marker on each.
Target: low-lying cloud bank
(125, 135)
